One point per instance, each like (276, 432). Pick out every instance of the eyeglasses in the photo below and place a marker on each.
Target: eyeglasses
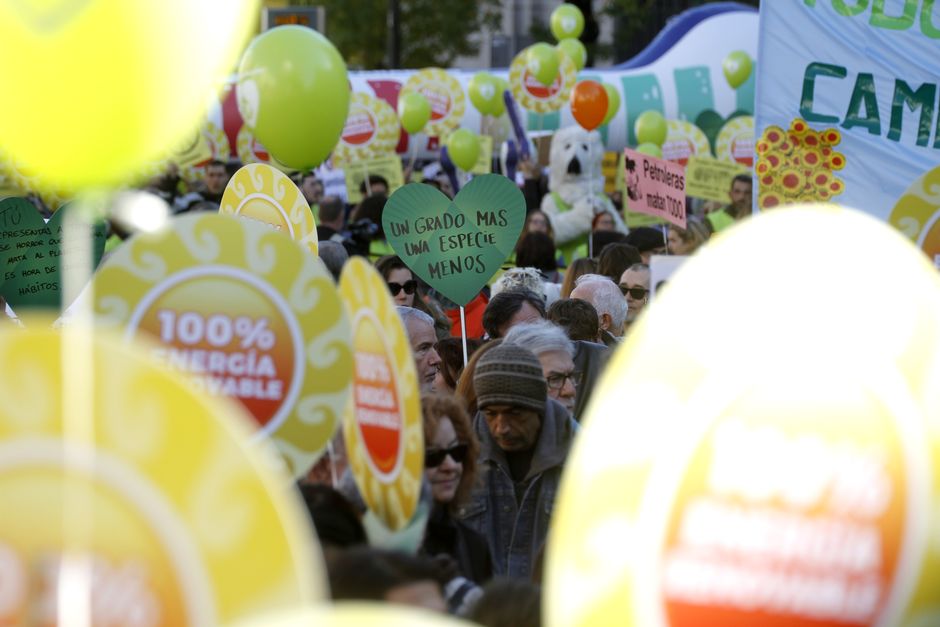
(409, 287)
(434, 457)
(636, 293)
(557, 381)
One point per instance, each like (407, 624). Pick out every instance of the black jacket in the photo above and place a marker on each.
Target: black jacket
(449, 536)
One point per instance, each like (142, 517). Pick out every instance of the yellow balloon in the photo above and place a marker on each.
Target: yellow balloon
(166, 507)
(356, 614)
(96, 89)
(755, 467)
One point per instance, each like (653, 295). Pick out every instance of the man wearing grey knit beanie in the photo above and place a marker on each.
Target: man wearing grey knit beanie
(524, 442)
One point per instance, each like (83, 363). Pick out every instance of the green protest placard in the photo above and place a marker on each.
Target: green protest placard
(710, 178)
(388, 168)
(36, 281)
(21, 229)
(455, 246)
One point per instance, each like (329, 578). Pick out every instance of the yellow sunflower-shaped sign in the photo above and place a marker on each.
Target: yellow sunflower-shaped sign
(264, 194)
(763, 485)
(371, 131)
(151, 481)
(357, 614)
(685, 140)
(917, 214)
(736, 141)
(382, 427)
(533, 95)
(248, 313)
(445, 95)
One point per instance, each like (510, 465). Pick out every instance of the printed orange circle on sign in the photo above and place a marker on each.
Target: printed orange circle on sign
(247, 313)
(382, 427)
(789, 517)
(445, 95)
(254, 356)
(375, 397)
(360, 128)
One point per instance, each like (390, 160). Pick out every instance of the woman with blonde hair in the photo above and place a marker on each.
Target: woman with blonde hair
(686, 241)
(585, 265)
(450, 467)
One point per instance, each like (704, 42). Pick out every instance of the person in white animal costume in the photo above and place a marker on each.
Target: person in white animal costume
(576, 189)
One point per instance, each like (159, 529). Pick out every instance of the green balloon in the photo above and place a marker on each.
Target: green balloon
(651, 128)
(542, 62)
(501, 86)
(737, 68)
(486, 216)
(650, 149)
(414, 111)
(567, 22)
(285, 74)
(613, 102)
(484, 93)
(463, 147)
(575, 51)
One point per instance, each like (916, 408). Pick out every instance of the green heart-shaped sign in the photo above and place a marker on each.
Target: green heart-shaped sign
(455, 246)
(21, 229)
(36, 279)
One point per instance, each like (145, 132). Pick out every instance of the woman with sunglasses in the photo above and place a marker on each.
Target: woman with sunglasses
(635, 285)
(450, 465)
(404, 289)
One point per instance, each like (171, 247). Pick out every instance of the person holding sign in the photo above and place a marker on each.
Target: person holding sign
(525, 438)
(740, 207)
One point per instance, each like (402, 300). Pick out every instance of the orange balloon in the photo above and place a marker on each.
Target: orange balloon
(589, 104)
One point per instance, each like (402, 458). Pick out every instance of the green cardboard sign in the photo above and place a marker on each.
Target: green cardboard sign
(36, 281)
(455, 246)
(21, 230)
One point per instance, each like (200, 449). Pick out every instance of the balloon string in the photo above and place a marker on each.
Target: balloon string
(414, 153)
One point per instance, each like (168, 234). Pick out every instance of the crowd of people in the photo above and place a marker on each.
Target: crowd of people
(498, 429)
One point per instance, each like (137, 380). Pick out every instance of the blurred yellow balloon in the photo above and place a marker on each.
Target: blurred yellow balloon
(94, 89)
(356, 614)
(774, 463)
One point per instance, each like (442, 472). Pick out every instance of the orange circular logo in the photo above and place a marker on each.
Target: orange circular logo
(360, 128)
(376, 399)
(787, 520)
(440, 102)
(239, 343)
(537, 90)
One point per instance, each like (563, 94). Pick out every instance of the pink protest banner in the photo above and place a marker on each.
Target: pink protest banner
(654, 186)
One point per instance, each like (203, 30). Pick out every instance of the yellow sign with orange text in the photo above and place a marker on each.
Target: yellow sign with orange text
(248, 313)
(797, 492)
(382, 427)
(151, 488)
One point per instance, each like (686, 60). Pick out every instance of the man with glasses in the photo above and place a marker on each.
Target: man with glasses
(525, 438)
(635, 286)
(555, 352)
